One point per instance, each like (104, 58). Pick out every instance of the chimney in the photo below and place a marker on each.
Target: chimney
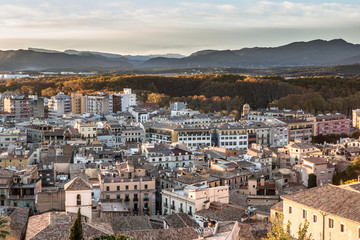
(262, 180)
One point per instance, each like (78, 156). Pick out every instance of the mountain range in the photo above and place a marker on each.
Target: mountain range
(312, 53)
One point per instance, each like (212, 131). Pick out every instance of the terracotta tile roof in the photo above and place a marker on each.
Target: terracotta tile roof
(56, 226)
(77, 184)
(225, 214)
(179, 220)
(18, 222)
(163, 234)
(340, 201)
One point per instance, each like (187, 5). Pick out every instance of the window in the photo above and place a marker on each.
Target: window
(135, 186)
(331, 223)
(107, 188)
(290, 209)
(314, 218)
(146, 186)
(304, 213)
(78, 199)
(342, 227)
(118, 188)
(127, 187)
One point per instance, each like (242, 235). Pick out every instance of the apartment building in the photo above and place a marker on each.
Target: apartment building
(279, 132)
(19, 107)
(128, 184)
(192, 198)
(59, 105)
(331, 124)
(87, 130)
(299, 129)
(356, 118)
(159, 154)
(99, 103)
(231, 136)
(299, 149)
(11, 136)
(332, 211)
(128, 99)
(78, 103)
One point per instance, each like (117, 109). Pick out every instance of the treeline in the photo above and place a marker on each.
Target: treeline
(258, 92)
(210, 92)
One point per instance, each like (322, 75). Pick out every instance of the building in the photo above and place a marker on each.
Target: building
(19, 107)
(59, 105)
(99, 103)
(192, 198)
(356, 118)
(322, 169)
(128, 99)
(333, 212)
(171, 133)
(78, 103)
(128, 185)
(159, 154)
(331, 124)
(87, 130)
(231, 136)
(78, 195)
(246, 110)
(279, 132)
(299, 149)
(299, 129)
(177, 106)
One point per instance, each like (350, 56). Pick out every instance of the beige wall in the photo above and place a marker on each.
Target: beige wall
(71, 202)
(316, 228)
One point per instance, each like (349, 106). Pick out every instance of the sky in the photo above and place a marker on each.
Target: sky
(173, 26)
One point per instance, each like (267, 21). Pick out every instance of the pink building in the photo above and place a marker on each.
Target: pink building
(331, 124)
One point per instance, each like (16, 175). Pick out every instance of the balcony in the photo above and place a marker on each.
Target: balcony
(135, 199)
(190, 213)
(172, 207)
(181, 210)
(146, 209)
(165, 204)
(146, 199)
(127, 199)
(135, 210)
(14, 196)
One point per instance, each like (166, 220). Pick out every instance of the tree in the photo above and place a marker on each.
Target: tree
(312, 180)
(281, 232)
(76, 232)
(3, 225)
(114, 237)
(278, 231)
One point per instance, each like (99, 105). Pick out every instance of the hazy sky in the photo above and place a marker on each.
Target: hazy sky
(172, 26)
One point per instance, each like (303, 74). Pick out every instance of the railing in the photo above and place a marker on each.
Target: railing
(14, 196)
(135, 199)
(127, 199)
(146, 209)
(165, 204)
(173, 207)
(190, 213)
(146, 199)
(181, 210)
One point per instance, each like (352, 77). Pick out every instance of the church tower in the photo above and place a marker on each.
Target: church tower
(78, 195)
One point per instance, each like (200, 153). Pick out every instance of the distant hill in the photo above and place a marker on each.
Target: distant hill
(22, 60)
(313, 53)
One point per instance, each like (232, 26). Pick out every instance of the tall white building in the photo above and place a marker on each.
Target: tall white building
(100, 103)
(128, 99)
(59, 105)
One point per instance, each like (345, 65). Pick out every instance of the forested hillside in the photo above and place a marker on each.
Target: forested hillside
(208, 92)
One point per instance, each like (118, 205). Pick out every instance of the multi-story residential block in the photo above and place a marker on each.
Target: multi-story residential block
(139, 114)
(36, 130)
(322, 169)
(117, 103)
(177, 106)
(171, 133)
(37, 106)
(299, 129)
(59, 105)
(331, 211)
(128, 184)
(276, 113)
(356, 118)
(87, 130)
(279, 132)
(78, 103)
(331, 124)
(19, 107)
(258, 132)
(231, 136)
(99, 103)
(127, 133)
(159, 154)
(17, 156)
(192, 198)
(11, 136)
(128, 99)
